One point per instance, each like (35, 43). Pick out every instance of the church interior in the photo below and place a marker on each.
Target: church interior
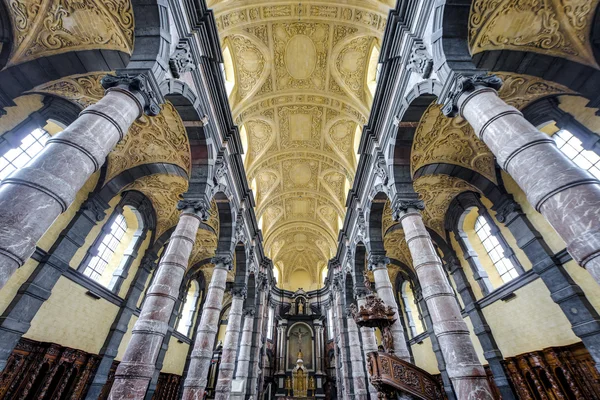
(307, 199)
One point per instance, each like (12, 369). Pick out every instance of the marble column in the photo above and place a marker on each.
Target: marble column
(281, 329)
(369, 345)
(319, 352)
(230, 345)
(32, 197)
(243, 362)
(385, 291)
(135, 371)
(258, 337)
(565, 194)
(197, 377)
(462, 364)
(356, 359)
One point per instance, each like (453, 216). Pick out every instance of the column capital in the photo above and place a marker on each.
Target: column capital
(402, 206)
(507, 207)
(461, 84)
(240, 292)
(226, 261)
(378, 261)
(248, 312)
(198, 206)
(135, 85)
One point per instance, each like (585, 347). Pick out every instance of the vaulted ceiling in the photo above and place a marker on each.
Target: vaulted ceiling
(299, 75)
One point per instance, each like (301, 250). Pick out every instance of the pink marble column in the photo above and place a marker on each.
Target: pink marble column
(32, 197)
(339, 315)
(197, 376)
(356, 359)
(232, 335)
(258, 347)
(462, 364)
(369, 345)
(566, 195)
(137, 367)
(385, 291)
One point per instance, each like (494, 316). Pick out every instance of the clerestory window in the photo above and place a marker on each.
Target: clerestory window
(106, 249)
(573, 148)
(16, 158)
(505, 267)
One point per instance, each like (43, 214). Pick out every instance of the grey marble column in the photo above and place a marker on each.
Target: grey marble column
(281, 329)
(32, 197)
(356, 359)
(135, 371)
(242, 371)
(342, 337)
(369, 345)
(230, 345)
(463, 366)
(385, 291)
(258, 337)
(566, 195)
(196, 379)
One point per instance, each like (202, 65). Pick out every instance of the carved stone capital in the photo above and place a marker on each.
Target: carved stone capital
(402, 206)
(201, 207)
(506, 208)
(248, 312)
(464, 84)
(378, 261)
(136, 84)
(381, 168)
(148, 261)
(181, 60)
(226, 261)
(220, 169)
(420, 61)
(241, 291)
(361, 292)
(95, 207)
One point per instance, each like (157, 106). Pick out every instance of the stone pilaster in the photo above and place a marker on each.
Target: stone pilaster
(230, 345)
(196, 379)
(566, 195)
(462, 364)
(342, 342)
(258, 337)
(281, 329)
(385, 291)
(137, 367)
(32, 197)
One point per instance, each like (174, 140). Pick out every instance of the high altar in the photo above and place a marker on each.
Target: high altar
(300, 350)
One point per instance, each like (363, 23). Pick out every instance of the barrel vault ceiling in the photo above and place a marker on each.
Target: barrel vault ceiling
(299, 75)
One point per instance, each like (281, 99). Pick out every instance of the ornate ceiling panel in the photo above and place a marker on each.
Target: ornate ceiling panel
(556, 27)
(300, 95)
(440, 139)
(42, 28)
(149, 140)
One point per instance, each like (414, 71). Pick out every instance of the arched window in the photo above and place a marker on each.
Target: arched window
(504, 265)
(186, 318)
(573, 148)
(227, 70)
(31, 145)
(97, 264)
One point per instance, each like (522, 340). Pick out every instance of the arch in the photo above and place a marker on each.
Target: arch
(150, 53)
(375, 228)
(452, 55)
(360, 258)
(241, 265)
(413, 107)
(226, 240)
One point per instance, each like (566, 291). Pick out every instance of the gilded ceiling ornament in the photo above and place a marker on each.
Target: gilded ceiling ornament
(82, 90)
(249, 62)
(439, 139)
(42, 28)
(521, 90)
(552, 27)
(300, 126)
(351, 63)
(204, 248)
